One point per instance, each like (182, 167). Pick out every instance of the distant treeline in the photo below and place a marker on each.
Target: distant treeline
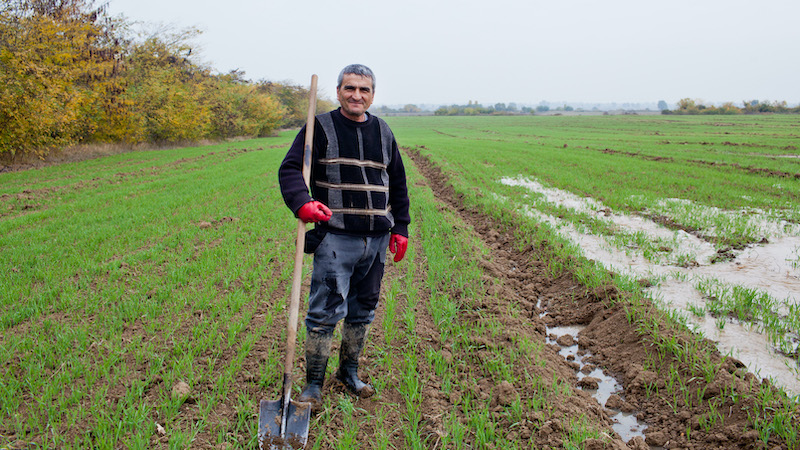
(498, 109)
(475, 108)
(408, 109)
(70, 73)
(685, 106)
(690, 106)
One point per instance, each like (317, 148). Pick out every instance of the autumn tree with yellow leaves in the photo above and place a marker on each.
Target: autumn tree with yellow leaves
(70, 74)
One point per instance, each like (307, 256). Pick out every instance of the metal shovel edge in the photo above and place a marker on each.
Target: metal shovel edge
(295, 435)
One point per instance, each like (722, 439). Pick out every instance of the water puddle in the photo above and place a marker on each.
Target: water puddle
(770, 268)
(626, 425)
(600, 385)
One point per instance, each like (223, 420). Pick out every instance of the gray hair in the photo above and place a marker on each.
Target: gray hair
(356, 69)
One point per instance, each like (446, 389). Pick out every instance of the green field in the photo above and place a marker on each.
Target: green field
(127, 274)
(628, 162)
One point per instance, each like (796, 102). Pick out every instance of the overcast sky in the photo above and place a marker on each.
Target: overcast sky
(490, 51)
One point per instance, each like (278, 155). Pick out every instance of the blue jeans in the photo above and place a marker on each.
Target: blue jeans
(346, 281)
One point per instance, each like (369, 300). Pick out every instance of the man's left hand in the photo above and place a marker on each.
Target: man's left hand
(398, 245)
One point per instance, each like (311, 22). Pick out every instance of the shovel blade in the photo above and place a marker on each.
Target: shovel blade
(270, 415)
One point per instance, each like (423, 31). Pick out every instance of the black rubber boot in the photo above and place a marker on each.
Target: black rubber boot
(318, 349)
(353, 337)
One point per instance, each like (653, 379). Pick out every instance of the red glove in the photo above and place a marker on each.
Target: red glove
(398, 245)
(314, 212)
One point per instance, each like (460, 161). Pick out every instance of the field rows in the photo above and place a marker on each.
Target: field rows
(132, 274)
(129, 274)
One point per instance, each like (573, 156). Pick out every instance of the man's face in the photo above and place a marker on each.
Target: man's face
(355, 95)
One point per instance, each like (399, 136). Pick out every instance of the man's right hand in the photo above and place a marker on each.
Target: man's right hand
(313, 212)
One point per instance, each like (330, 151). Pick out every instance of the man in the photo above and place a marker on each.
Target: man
(359, 203)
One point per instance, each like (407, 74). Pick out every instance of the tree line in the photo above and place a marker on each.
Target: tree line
(70, 73)
(685, 106)
(475, 109)
(690, 106)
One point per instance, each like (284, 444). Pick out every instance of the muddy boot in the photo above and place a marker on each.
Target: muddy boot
(353, 337)
(318, 349)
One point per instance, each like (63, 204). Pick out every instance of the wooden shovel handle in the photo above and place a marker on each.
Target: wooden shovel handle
(294, 305)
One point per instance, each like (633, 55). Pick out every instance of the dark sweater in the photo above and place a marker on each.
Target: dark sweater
(350, 134)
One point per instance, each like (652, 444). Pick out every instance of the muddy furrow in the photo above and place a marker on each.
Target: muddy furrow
(519, 282)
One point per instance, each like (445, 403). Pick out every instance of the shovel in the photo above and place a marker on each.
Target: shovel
(284, 423)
